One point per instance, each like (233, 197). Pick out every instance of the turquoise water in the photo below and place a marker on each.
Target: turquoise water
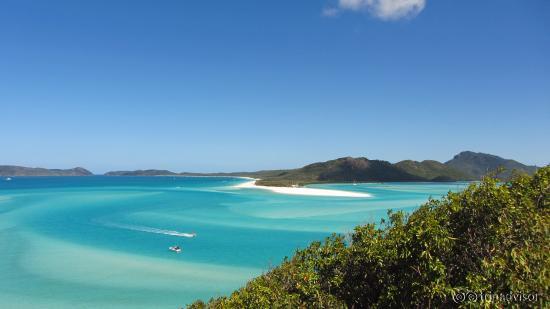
(102, 242)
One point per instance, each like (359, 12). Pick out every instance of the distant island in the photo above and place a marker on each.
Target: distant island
(141, 173)
(12, 170)
(465, 166)
(478, 164)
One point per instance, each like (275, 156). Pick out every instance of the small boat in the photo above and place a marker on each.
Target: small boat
(176, 249)
(8, 179)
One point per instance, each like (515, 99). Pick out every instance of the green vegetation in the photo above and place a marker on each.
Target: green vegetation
(466, 165)
(432, 170)
(477, 165)
(341, 170)
(492, 238)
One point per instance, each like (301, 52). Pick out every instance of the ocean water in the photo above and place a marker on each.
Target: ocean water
(102, 242)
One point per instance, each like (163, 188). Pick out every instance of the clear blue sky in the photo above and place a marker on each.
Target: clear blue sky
(247, 85)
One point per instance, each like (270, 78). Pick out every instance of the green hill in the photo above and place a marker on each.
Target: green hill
(478, 164)
(12, 170)
(340, 170)
(432, 170)
(464, 166)
(490, 238)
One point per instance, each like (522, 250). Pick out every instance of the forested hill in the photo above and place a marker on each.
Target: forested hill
(341, 170)
(433, 170)
(478, 164)
(12, 170)
(465, 166)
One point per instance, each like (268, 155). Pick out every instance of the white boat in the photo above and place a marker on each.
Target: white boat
(176, 249)
(8, 179)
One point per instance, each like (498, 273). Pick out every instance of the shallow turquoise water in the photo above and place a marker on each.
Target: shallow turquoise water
(101, 242)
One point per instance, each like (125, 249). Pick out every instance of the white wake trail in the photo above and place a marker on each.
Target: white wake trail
(147, 229)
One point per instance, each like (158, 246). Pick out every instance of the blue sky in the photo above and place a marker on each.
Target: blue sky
(247, 85)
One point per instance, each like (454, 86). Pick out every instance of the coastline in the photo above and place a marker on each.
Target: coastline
(301, 190)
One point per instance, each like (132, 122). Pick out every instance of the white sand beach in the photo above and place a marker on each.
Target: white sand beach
(302, 191)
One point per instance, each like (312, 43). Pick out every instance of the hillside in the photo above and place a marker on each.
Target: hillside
(490, 238)
(340, 170)
(464, 166)
(478, 164)
(12, 170)
(432, 170)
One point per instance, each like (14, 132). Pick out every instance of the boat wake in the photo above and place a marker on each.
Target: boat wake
(147, 229)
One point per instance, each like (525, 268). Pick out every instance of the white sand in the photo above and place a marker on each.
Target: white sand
(302, 191)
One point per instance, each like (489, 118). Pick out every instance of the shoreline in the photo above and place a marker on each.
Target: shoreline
(301, 190)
